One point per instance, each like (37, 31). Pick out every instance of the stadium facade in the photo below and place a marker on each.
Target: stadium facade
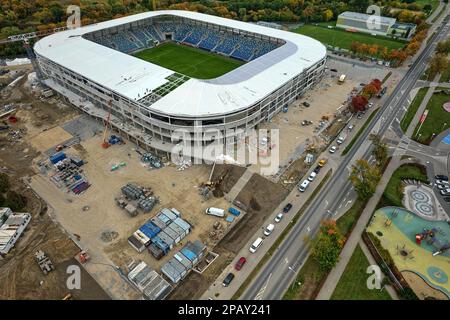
(92, 68)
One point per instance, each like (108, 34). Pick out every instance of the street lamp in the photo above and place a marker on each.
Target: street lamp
(445, 123)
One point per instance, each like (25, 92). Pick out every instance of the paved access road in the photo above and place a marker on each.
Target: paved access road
(277, 275)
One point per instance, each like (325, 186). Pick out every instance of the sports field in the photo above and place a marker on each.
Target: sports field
(189, 61)
(343, 39)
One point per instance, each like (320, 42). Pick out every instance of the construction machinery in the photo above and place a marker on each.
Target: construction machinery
(44, 262)
(105, 143)
(84, 256)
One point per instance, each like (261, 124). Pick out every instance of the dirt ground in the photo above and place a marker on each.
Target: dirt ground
(261, 197)
(20, 276)
(421, 288)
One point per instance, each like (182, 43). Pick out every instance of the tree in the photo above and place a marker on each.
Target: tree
(370, 90)
(327, 246)
(4, 183)
(438, 63)
(385, 54)
(364, 178)
(327, 15)
(380, 150)
(359, 103)
(307, 13)
(15, 201)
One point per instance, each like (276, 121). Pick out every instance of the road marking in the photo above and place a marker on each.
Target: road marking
(263, 288)
(308, 229)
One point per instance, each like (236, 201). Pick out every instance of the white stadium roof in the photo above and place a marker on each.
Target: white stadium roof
(132, 77)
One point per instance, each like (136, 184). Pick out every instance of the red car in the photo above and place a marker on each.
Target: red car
(240, 263)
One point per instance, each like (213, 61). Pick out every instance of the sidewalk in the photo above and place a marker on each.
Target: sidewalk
(372, 261)
(333, 277)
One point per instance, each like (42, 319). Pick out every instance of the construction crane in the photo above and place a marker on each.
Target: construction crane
(105, 143)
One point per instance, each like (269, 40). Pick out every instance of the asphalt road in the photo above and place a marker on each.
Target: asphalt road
(278, 274)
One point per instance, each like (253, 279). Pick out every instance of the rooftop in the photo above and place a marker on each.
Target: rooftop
(365, 16)
(132, 77)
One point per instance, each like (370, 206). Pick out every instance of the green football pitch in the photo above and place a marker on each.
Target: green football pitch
(189, 61)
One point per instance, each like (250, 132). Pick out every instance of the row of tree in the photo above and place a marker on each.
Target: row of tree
(8, 197)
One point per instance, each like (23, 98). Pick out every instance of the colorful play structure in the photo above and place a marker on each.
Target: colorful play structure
(429, 235)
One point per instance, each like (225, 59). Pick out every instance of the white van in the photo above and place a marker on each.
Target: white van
(303, 186)
(215, 212)
(269, 229)
(256, 245)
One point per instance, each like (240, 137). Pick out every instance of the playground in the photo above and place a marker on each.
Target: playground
(416, 245)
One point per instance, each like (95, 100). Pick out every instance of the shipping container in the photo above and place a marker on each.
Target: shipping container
(189, 254)
(155, 251)
(157, 221)
(136, 244)
(185, 261)
(164, 218)
(179, 267)
(173, 234)
(142, 237)
(170, 272)
(177, 213)
(178, 230)
(166, 239)
(169, 214)
(161, 244)
(197, 247)
(57, 157)
(150, 229)
(183, 224)
(234, 211)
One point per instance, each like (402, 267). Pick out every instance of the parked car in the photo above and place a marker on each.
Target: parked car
(441, 177)
(269, 229)
(323, 162)
(442, 182)
(445, 192)
(359, 115)
(238, 266)
(226, 282)
(287, 208)
(312, 176)
(256, 245)
(333, 149)
(442, 186)
(317, 169)
(279, 217)
(447, 199)
(350, 127)
(370, 105)
(303, 186)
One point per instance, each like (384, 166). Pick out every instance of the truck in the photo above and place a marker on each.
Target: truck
(44, 262)
(342, 79)
(341, 138)
(215, 212)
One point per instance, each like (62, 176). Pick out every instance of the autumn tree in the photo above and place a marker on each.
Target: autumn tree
(327, 246)
(327, 15)
(359, 103)
(364, 178)
(380, 150)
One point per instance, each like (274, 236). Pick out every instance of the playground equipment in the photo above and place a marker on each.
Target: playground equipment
(430, 237)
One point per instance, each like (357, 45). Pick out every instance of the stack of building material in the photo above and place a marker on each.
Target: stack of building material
(132, 191)
(147, 204)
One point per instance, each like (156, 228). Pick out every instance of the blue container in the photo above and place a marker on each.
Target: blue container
(160, 244)
(150, 229)
(189, 254)
(164, 218)
(57, 157)
(234, 211)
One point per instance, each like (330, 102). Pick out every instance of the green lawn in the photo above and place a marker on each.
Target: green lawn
(346, 222)
(353, 283)
(343, 39)
(437, 120)
(189, 61)
(393, 193)
(413, 109)
(445, 75)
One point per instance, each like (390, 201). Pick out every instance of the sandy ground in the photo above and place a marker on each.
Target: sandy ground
(49, 138)
(421, 288)
(177, 189)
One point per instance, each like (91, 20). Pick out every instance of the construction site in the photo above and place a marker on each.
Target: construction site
(131, 219)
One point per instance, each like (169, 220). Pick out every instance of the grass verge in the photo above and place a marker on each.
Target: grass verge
(412, 110)
(360, 131)
(283, 235)
(353, 282)
(437, 119)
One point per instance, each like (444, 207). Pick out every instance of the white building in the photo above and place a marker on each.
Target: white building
(12, 226)
(92, 67)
